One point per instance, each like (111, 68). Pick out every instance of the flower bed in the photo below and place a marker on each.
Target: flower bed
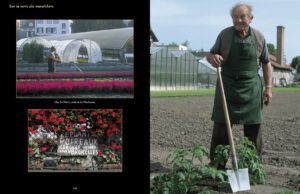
(98, 75)
(45, 126)
(34, 88)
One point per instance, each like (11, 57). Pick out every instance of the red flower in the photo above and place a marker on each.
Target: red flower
(82, 120)
(100, 153)
(32, 130)
(30, 150)
(113, 146)
(99, 122)
(105, 125)
(35, 111)
(111, 156)
(39, 117)
(109, 133)
(44, 149)
(52, 118)
(61, 119)
(82, 127)
(94, 113)
(69, 128)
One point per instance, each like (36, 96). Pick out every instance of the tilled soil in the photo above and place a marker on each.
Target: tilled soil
(181, 122)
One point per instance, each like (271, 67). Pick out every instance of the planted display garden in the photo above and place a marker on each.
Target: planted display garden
(74, 139)
(74, 84)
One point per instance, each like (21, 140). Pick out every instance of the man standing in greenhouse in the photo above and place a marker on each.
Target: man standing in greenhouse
(241, 50)
(51, 60)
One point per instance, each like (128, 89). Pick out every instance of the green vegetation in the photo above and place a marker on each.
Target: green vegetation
(294, 87)
(92, 25)
(178, 93)
(33, 53)
(248, 158)
(286, 89)
(295, 63)
(186, 173)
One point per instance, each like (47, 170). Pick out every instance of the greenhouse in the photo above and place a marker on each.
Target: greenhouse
(114, 43)
(67, 50)
(207, 74)
(172, 69)
(176, 70)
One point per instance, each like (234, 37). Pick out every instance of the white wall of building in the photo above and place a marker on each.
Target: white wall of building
(52, 27)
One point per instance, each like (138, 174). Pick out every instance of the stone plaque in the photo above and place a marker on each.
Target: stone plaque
(77, 144)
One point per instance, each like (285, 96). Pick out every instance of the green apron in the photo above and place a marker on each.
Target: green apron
(242, 85)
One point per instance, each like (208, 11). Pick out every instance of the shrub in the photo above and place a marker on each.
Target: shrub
(33, 52)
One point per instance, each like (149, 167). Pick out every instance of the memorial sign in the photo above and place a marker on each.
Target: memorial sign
(77, 144)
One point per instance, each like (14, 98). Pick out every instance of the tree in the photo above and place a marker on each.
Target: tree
(185, 43)
(296, 63)
(173, 44)
(272, 49)
(33, 52)
(93, 25)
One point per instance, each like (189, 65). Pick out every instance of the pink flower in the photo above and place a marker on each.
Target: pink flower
(35, 111)
(100, 153)
(30, 150)
(44, 149)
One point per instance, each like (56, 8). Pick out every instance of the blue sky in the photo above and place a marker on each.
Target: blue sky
(200, 21)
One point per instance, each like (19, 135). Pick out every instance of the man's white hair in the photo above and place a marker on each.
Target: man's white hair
(249, 7)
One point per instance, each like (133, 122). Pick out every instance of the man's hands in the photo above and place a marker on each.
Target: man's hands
(267, 95)
(215, 60)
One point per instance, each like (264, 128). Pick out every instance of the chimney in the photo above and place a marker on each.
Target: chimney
(280, 44)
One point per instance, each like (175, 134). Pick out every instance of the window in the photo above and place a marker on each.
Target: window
(63, 26)
(49, 21)
(39, 30)
(29, 34)
(51, 30)
(63, 32)
(55, 21)
(39, 21)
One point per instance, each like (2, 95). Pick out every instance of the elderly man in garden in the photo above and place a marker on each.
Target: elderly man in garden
(241, 50)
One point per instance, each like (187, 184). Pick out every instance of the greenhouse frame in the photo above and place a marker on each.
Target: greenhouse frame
(114, 43)
(67, 50)
(179, 70)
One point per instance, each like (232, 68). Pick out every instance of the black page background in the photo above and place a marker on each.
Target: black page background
(135, 175)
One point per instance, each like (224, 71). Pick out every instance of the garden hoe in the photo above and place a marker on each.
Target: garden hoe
(238, 178)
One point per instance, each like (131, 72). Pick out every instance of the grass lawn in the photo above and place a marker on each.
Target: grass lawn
(204, 92)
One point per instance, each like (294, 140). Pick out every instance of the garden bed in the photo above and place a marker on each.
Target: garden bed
(36, 88)
(97, 75)
(182, 122)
